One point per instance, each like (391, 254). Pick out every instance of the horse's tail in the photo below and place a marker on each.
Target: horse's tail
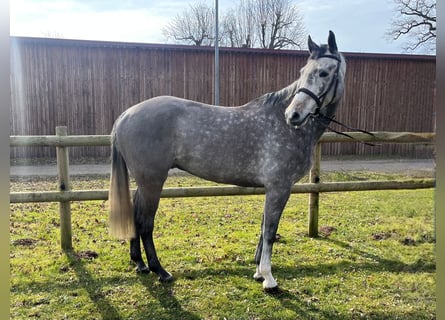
(121, 212)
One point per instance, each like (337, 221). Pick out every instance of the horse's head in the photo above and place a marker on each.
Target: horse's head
(321, 83)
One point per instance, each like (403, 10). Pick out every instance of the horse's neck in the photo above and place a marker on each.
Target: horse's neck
(319, 126)
(288, 93)
(280, 99)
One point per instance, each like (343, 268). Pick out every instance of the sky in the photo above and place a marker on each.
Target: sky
(359, 25)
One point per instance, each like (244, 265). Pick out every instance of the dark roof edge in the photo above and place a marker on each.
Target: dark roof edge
(156, 46)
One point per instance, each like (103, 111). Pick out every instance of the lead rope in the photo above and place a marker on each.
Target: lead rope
(320, 116)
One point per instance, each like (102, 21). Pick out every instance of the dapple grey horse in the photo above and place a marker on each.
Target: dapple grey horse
(267, 142)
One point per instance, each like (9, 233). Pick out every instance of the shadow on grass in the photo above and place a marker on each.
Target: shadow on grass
(298, 302)
(307, 310)
(382, 264)
(303, 306)
(162, 292)
(106, 309)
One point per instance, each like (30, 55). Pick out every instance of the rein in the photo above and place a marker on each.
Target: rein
(321, 117)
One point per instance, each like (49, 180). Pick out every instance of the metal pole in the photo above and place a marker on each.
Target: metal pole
(216, 81)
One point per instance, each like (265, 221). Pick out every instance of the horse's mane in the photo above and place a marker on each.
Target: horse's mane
(281, 97)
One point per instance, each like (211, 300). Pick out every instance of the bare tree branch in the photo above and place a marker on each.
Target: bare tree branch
(238, 26)
(194, 25)
(417, 23)
(269, 24)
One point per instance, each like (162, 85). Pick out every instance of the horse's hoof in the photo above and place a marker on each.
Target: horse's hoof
(166, 278)
(273, 290)
(258, 277)
(143, 269)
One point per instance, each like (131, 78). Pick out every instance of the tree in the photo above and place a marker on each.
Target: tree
(417, 21)
(278, 24)
(194, 25)
(238, 26)
(268, 24)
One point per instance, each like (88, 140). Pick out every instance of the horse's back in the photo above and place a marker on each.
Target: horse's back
(208, 141)
(157, 119)
(145, 133)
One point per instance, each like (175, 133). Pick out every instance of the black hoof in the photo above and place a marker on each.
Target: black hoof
(274, 290)
(142, 269)
(166, 279)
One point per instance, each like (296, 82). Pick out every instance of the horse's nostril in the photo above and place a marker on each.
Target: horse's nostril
(294, 119)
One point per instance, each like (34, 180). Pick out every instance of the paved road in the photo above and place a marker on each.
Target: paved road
(412, 166)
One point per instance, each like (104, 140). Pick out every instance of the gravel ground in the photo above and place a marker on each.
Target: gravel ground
(417, 167)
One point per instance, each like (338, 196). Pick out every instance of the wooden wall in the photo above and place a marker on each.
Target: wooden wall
(85, 85)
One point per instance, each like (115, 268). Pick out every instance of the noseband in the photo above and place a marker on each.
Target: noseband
(319, 100)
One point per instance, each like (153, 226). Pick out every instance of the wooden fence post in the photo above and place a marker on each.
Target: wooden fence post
(64, 185)
(314, 177)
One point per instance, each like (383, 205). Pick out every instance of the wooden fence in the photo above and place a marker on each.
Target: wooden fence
(85, 85)
(61, 141)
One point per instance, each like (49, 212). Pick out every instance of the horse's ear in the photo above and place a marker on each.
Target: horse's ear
(312, 45)
(332, 43)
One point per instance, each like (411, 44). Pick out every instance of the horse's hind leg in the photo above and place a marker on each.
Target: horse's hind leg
(136, 256)
(135, 243)
(148, 204)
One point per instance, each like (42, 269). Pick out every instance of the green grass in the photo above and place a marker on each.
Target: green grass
(375, 261)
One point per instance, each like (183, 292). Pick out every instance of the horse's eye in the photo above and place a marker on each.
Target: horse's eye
(323, 74)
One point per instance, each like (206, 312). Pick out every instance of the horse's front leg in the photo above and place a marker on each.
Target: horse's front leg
(276, 199)
(257, 276)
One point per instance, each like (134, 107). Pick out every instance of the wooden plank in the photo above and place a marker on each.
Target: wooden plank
(105, 140)
(64, 186)
(88, 195)
(79, 140)
(314, 177)
(384, 136)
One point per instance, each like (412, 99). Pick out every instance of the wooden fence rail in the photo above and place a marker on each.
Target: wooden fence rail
(87, 195)
(61, 141)
(105, 140)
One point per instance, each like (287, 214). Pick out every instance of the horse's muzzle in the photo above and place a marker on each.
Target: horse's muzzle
(296, 119)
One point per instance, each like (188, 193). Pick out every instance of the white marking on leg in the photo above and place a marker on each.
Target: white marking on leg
(265, 269)
(257, 274)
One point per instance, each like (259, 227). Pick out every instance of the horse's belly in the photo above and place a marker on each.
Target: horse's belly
(221, 170)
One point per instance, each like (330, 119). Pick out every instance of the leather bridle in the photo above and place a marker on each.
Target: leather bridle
(319, 100)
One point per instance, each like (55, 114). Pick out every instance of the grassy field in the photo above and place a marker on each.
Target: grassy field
(374, 259)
